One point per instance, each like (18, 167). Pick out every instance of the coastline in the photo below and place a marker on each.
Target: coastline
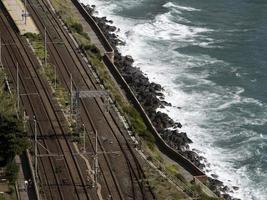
(151, 97)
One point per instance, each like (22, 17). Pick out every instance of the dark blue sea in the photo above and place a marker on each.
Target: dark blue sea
(211, 58)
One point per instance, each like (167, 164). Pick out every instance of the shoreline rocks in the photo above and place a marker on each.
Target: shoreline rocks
(148, 93)
(151, 97)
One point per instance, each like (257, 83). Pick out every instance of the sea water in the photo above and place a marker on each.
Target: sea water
(211, 58)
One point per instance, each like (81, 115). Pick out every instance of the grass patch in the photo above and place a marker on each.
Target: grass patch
(64, 9)
(48, 72)
(60, 93)
(162, 188)
(2, 197)
(171, 168)
(203, 196)
(198, 193)
(37, 44)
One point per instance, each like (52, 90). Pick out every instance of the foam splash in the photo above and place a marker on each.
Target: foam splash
(183, 8)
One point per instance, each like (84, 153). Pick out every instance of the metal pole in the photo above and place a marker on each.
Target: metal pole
(24, 121)
(35, 148)
(71, 97)
(84, 150)
(96, 158)
(7, 84)
(18, 92)
(55, 71)
(77, 111)
(45, 45)
(1, 50)
(25, 11)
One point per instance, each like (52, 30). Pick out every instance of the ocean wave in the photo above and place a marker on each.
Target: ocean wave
(162, 28)
(210, 113)
(183, 8)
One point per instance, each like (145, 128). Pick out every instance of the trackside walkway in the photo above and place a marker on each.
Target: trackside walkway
(17, 11)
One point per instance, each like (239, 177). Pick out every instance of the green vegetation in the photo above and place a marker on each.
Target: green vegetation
(198, 193)
(172, 168)
(64, 9)
(60, 93)
(12, 170)
(13, 140)
(203, 196)
(48, 71)
(37, 44)
(162, 188)
(76, 27)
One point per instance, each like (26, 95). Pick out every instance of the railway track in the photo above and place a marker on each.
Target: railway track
(129, 182)
(124, 152)
(68, 183)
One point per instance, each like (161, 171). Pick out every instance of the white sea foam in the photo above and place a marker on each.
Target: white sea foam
(205, 106)
(172, 5)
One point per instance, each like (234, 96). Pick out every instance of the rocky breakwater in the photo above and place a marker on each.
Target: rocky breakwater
(151, 97)
(148, 93)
